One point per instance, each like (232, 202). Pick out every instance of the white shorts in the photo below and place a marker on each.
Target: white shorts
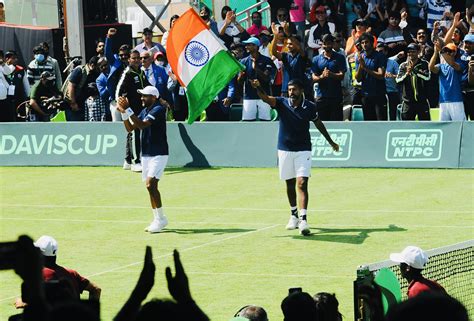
(452, 111)
(153, 166)
(250, 108)
(294, 164)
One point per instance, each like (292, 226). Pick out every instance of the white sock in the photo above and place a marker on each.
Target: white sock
(159, 213)
(293, 208)
(303, 213)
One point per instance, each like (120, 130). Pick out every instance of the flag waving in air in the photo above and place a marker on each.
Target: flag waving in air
(200, 61)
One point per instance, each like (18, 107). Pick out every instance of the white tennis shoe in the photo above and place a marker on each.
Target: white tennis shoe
(292, 223)
(304, 227)
(157, 225)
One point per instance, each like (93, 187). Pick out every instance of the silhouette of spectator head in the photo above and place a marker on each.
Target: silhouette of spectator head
(299, 306)
(75, 311)
(156, 310)
(253, 313)
(429, 306)
(327, 307)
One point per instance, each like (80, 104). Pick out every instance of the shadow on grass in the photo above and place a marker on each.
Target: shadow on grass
(345, 235)
(215, 231)
(179, 170)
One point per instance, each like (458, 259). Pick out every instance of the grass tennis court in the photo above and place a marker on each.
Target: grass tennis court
(229, 226)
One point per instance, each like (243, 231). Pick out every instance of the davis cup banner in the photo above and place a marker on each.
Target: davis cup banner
(200, 61)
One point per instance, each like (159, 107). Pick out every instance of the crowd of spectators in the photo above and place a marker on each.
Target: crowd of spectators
(52, 292)
(396, 59)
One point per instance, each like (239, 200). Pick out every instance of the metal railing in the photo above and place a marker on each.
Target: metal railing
(245, 17)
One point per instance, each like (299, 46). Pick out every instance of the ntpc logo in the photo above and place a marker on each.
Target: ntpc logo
(414, 145)
(321, 150)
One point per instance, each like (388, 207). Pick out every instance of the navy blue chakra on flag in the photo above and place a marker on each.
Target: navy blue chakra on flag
(196, 54)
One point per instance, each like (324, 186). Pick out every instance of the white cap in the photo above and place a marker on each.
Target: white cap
(412, 256)
(149, 90)
(47, 245)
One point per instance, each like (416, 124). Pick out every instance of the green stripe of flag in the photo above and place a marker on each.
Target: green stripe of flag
(210, 81)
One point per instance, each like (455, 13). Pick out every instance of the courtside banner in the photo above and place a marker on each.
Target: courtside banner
(243, 144)
(200, 61)
(466, 159)
(58, 144)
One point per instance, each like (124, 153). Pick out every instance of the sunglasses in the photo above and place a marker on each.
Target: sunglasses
(446, 50)
(282, 15)
(421, 33)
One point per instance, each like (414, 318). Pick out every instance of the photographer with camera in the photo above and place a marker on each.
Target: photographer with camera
(41, 91)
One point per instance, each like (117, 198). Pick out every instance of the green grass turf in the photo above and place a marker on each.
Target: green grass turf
(229, 226)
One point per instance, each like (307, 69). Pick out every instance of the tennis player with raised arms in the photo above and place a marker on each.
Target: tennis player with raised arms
(294, 147)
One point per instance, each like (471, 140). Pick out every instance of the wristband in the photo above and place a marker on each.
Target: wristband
(124, 116)
(129, 112)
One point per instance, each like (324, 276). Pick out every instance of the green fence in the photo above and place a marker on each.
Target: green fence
(239, 144)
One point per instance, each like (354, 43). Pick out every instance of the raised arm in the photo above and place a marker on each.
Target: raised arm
(130, 120)
(144, 285)
(262, 94)
(432, 66)
(274, 51)
(449, 35)
(108, 46)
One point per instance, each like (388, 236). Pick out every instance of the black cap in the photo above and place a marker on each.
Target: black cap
(147, 30)
(38, 49)
(328, 37)
(413, 46)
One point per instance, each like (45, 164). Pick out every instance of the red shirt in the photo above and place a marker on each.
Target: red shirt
(78, 283)
(423, 285)
(253, 30)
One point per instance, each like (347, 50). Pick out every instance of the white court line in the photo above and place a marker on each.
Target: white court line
(228, 223)
(313, 276)
(190, 248)
(241, 209)
(170, 254)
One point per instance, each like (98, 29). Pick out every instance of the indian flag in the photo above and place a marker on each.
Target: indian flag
(200, 61)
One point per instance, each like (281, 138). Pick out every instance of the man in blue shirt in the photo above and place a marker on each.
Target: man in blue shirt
(391, 72)
(451, 104)
(294, 146)
(370, 70)
(154, 147)
(294, 61)
(328, 70)
(258, 67)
